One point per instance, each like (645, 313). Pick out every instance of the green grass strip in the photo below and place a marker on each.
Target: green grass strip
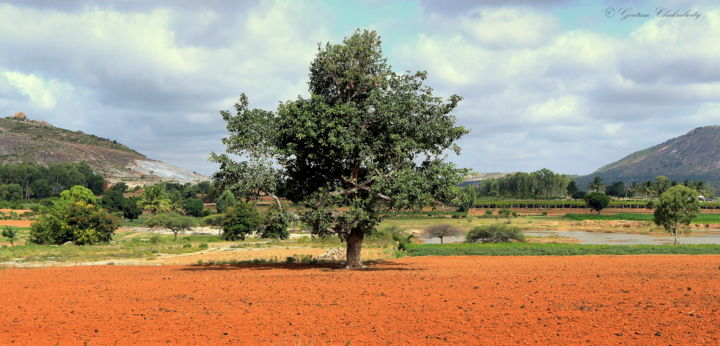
(702, 218)
(534, 249)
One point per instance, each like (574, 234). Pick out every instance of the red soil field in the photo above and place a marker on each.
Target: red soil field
(428, 300)
(17, 223)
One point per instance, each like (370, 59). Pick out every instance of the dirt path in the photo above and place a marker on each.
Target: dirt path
(429, 300)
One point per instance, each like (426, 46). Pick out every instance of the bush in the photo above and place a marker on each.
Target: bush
(203, 245)
(276, 224)
(241, 220)
(497, 233)
(597, 201)
(74, 218)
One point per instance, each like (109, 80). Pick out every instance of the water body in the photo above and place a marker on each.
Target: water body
(599, 238)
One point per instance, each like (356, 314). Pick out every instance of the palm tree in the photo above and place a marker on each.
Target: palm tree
(155, 199)
(597, 185)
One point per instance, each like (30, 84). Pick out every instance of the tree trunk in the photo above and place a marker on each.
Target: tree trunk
(354, 245)
(441, 241)
(676, 232)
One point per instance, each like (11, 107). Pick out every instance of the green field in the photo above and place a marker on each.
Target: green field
(702, 218)
(530, 249)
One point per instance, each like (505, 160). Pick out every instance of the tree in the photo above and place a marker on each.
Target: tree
(572, 188)
(661, 184)
(677, 206)
(155, 199)
(596, 185)
(616, 189)
(113, 200)
(11, 192)
(193, 206)
(597, 201)
(442, 231)
(365, 141)
(468, 197)
(225, 201)
(241, 220)
(74, 218)
(276, 224)
(176, 223)
(10, 233)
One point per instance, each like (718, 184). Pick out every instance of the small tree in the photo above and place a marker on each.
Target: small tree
(677, 206)
(193, 206)
(276, 224)
(442, 231)
(241, 220)
(572, 188)
(174, 222)
(468, 197)
(10, 233)
(225, 201)
(597, 201)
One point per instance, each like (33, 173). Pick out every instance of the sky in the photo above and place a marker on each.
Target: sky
(564, 85)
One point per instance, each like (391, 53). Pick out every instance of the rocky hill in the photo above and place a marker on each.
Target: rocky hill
(24, 140)
(694, 156)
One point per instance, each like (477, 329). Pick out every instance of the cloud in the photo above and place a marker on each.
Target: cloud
(146, 76)
(551, 99)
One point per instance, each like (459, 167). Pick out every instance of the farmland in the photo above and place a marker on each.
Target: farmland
(460, 300)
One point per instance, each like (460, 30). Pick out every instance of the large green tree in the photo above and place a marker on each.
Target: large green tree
(677, 206)
(365, 140)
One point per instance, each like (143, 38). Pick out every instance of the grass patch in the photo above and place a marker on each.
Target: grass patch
(702, 218)
(533, 249)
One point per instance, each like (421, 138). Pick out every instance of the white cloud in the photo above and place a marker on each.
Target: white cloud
(508, 27)
(41, 93)
(536, 94)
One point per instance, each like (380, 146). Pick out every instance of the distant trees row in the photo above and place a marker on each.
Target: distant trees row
(546, 184)
(539, 184)
(647, 189)
(28, 180)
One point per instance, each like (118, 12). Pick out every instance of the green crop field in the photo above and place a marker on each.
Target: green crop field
(532, 249)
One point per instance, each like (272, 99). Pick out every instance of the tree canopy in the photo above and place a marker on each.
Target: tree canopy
(366, 139)
(677, 206)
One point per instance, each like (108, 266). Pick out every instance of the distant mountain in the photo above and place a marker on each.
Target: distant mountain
(694, 156)
(24, 140)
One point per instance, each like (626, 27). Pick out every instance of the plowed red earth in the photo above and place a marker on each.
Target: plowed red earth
(428, 300)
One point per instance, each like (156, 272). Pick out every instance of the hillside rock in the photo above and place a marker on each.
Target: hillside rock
(24, 140)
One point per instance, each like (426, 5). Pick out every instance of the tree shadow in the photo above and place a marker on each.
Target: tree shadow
(370, 266)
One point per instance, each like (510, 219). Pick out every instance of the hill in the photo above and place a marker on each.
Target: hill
(693, 156)
(24, 140)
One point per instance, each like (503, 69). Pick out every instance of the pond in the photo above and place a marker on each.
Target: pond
(600, 238)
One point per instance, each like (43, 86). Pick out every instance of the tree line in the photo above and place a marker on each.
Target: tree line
(28, 180)
(543, 183)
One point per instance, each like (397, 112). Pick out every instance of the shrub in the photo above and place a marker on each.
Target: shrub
(75, 218)
(597, 201)
(155, 239)
(241, 220)
(203, 245)
(276, 224)
(497, 233)
(10, 233)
